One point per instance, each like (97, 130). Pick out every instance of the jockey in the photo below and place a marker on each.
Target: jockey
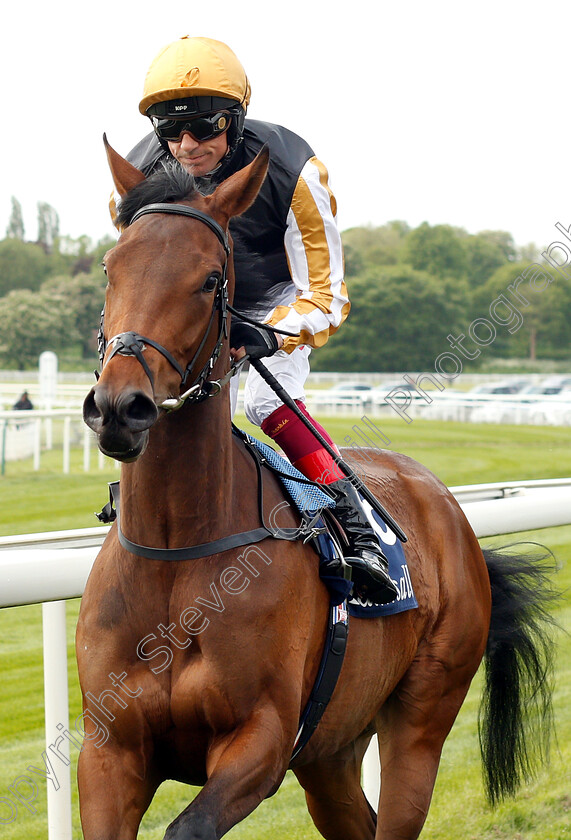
(196, 94)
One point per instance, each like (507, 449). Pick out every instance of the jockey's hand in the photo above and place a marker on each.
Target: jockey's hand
(251, 340)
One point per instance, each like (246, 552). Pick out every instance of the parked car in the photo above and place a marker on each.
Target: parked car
(507, 386)
(401, 388)
(345, 392)
(548, 387)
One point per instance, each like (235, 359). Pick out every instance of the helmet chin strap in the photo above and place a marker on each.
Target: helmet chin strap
(226, 158)
(225, 162)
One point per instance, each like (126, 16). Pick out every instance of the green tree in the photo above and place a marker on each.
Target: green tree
(101, 249)
(81, 256)
(30, 325)
(486, 252)
(438, 250)
(531, 307)
(503, 241)
(366, 247)
(83, 296)
(48, 227)
(399, 320)
(22, 265)
(15, 229)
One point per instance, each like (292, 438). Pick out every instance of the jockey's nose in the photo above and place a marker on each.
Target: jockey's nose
(187, 142)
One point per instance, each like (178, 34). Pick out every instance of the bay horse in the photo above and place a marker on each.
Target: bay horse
(198, 670)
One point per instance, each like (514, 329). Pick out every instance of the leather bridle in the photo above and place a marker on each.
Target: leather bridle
(131, 343)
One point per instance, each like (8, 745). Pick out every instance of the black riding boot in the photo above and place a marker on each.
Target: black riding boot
(369, 566)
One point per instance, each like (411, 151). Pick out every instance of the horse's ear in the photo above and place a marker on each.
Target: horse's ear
(237, 193)
(125, 175)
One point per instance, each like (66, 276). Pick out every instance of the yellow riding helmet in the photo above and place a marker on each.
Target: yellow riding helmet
(195, 67)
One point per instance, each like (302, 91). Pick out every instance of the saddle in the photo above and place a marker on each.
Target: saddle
(317, 511)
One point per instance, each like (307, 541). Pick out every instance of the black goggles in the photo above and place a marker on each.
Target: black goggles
(199, 128)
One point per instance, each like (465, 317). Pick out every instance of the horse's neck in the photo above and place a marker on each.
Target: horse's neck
(181, 488)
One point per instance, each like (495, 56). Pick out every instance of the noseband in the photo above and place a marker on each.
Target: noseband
(132, 344)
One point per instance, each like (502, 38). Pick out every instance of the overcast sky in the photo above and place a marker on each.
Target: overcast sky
(446, 112)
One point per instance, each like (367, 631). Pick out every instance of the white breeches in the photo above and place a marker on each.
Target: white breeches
(290, 369)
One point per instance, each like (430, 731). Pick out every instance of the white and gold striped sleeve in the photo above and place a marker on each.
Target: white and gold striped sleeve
(315, 257)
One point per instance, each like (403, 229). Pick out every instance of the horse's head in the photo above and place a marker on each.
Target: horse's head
(169, 277)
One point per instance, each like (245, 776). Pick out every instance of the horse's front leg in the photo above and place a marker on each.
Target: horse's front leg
(244, 767)
(114, 792)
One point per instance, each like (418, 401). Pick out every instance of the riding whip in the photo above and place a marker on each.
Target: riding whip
(357, 482)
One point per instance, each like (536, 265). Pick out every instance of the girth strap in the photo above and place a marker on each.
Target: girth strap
(327, 676)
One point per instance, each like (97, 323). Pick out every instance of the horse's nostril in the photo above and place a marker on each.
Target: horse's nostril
(140, 413)
(91, 413)
(134, 411)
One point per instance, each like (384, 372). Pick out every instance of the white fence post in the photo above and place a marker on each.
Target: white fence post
(66, 444)
(86, 448)
(37, 444)
(49, 433)
(40, 423)
(372, 774)
(57, 714)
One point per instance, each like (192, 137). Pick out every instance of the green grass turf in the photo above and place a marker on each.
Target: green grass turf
(459, 454)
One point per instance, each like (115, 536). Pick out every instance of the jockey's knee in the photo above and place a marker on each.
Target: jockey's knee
(257, 411)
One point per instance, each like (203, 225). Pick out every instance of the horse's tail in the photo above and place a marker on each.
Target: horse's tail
(516, 714)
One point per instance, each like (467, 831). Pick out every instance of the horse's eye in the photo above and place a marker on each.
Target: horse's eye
(104, 267)
(211, 282)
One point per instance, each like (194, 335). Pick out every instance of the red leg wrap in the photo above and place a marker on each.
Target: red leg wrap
(301, 447)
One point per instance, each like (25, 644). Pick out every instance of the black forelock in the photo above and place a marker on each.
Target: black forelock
(170, 183)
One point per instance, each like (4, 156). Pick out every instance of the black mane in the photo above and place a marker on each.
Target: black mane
(170, 183)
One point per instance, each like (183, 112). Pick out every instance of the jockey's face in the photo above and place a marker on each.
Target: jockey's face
(199, 157)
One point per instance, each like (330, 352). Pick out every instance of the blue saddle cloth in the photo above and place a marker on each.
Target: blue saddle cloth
(310, 499)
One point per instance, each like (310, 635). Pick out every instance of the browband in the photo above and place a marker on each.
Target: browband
(185, 210)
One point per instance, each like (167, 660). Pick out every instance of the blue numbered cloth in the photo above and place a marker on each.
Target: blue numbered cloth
(310, 499)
